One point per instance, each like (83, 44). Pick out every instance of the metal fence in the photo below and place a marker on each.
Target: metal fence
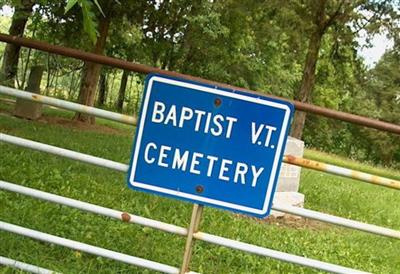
(144, 69)
(191, 233)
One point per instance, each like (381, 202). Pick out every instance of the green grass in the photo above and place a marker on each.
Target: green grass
(327, 193)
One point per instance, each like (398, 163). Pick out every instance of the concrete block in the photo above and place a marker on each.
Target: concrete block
(287, 198)
(289, 179)
(289, 176)
(27, 109)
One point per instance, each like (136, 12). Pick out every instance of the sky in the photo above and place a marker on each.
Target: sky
(380, 43)
(371, 55)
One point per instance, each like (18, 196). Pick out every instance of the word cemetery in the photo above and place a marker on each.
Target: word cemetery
(208, 145)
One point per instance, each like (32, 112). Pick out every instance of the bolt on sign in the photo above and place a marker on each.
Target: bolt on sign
(208, 145)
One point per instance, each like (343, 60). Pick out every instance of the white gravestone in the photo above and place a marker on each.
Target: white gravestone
(289, 178)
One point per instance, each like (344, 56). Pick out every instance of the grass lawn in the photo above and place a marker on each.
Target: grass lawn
(326, 193)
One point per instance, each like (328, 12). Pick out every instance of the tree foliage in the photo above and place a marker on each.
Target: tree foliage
(261, 45)
(89, 17)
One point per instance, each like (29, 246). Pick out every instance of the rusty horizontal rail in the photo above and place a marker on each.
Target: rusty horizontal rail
(140, 68)
(341, 171)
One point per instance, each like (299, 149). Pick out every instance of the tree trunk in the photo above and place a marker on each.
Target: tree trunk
(76, 84)
(11, 53)
(137, 100)
(25, 68)
(102, 88)
(308, 79)
(71, 85)
(91, 74)
(113, 81)
(56, 91)
(122, 90)
(130, 95)
(48, 71)
(50, 83)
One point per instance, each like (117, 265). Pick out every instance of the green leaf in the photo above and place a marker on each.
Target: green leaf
(99, 7)
(89, 20)
(70, 4)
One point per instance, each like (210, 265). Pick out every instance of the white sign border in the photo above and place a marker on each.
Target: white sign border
(256, 100)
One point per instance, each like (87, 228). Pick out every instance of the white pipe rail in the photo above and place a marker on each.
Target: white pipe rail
(24, 266)
(127, 217)
(117, 117)
(68, 105)
(156, 224)
(96, 209)
(98, 251)
(262, 251)
(70, 154)
(322, 217)
(342, 171)
(124, 168)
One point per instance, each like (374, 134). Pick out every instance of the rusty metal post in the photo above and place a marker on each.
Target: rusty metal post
(193, 228)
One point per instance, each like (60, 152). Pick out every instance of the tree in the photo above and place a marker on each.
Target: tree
(122, 90)
(91, 73)
(324, 14)
(102, 88)
(220, 45)
(113, 11)
(125, 42)
(382, 94)
(23, 9)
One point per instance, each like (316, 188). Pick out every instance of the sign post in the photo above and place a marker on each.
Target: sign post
(208, 145)
(193, 228)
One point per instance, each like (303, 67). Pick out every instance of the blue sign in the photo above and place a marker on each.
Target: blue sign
(209, 145)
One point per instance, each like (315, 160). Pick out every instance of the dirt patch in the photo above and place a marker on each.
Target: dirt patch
(6, 101)
(291, 221)
(296, 222)
(5, 112)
